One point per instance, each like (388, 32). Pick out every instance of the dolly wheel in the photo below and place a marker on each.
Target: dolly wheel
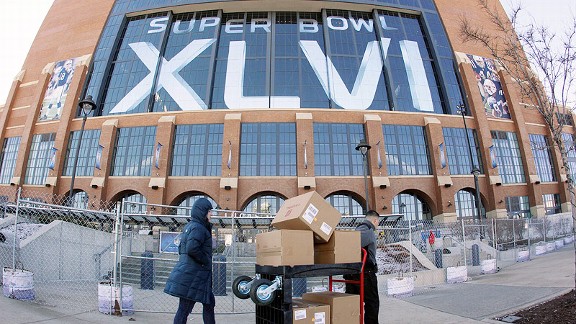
(258, 293)
(241, 287)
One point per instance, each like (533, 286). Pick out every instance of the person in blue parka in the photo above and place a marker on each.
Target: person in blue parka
(191, 278)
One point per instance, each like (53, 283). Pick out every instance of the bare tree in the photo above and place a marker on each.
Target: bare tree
(541, 66)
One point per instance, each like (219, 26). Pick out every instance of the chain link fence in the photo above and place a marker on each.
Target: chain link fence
(116, 257)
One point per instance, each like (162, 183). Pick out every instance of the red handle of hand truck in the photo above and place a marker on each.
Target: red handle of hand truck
(359, 282)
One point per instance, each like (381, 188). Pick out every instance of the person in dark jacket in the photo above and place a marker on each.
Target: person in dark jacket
(191, 278)
(368, 241)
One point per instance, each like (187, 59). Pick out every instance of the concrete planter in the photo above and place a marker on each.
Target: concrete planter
(109, 299)
(18, 284)
(456, 274)
(523, 255)
(488, 266)
(400, 286)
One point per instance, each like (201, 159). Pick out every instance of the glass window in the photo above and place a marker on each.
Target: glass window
(458, 153)
(8, 158)
(466, 204)
(292, 74)
(565, 119)
(268, 149)
(406, 150)
(80, 199)
(197, 150)
(40, 158)
(542, 158)
(353, 49)
(185, 206)
(243, 63)
(266, 204)
(518, 207)
(87, 155)
(128, 73)
(411, 206)
(335, 149)
(508, 158)
(411, 68)
(346, 205)
(570, 147)
(335, 58)
(552, 204)
(133, 152)
(191, 37)
(134, 203)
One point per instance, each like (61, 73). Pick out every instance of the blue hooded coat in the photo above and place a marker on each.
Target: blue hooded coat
(191, 277)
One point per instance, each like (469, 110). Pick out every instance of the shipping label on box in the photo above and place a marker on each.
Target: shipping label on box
(344, 308)
(308, 212)
(310, 312)
(285, 247)
(343, 247)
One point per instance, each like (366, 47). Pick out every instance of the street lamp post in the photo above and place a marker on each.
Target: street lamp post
(86, 106)
(475, 170)
(363, 148)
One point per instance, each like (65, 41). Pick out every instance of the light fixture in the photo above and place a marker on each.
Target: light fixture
(461, 108)
(363, 148)
(86, 106)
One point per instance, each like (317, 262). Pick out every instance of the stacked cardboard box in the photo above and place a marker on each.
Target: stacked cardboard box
(344, 308)
(306, 236)
(304, 311)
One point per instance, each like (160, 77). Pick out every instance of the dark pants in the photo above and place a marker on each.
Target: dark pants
(371, 298)
(185, 308)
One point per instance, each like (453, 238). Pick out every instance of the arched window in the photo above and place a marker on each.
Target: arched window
(268, 204)
(411, 206)
(135, 203)
(345, 204)
(466, 204)
(80, 199)
(187, 202)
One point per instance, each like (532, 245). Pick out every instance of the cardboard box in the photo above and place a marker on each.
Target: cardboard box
(285, 247)
(343, 247)
(344, 308)
(310, 312)
(308, 212)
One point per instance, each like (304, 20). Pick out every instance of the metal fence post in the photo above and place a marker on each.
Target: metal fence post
(464, 241)
(15, 229)
(410, 236)
(116, 231)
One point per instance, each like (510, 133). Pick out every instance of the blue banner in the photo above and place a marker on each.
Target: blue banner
(493, 156)
(52, 162)
(157, 155)
(98, 156)
(442, 155)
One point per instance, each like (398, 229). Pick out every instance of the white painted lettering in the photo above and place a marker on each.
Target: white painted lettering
(234, 26)
(168, 77)
(419, 87)
(337, 23)
(263, 23)
(369, 25)
(159, 25)
(177, 29)
(308, 25)
(209, 22)
(364, 89)
(234, 87)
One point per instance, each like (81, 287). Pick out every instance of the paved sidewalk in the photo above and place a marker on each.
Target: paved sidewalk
(478, 300)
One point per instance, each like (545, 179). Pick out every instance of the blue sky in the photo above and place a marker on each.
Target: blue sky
(27, 16)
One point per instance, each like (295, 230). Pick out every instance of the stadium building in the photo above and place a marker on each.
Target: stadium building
(250, 103)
